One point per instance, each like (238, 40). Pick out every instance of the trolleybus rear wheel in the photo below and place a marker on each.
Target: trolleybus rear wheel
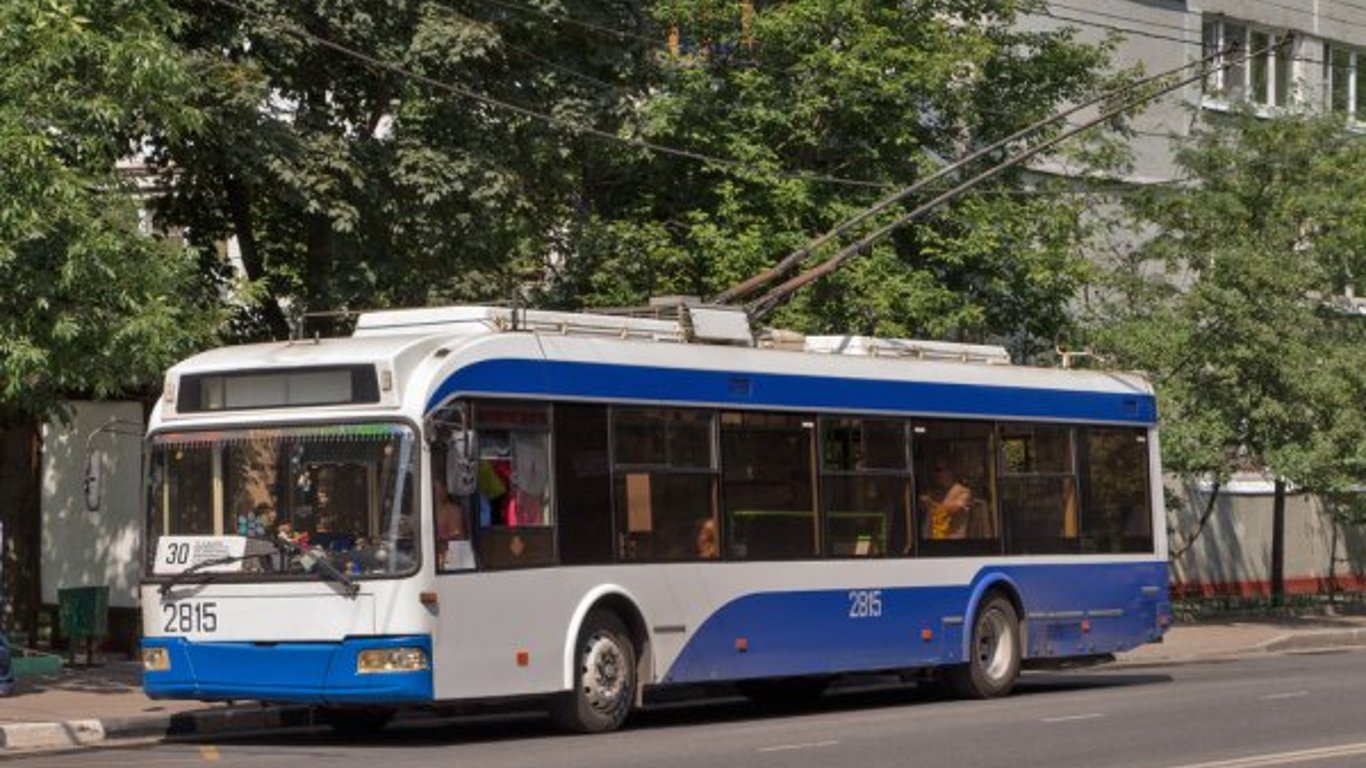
(604, 678)
(993, 662)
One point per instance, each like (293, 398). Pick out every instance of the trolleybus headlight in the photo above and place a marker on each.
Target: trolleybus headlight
(377, 660)
(155, 659)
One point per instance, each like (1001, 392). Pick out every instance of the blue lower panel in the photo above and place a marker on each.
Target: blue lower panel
(312, 673)
(1070, 610)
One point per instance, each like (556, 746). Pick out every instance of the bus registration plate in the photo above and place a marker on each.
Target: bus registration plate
(190, 617)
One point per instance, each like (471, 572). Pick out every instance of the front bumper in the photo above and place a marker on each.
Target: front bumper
(298, 672)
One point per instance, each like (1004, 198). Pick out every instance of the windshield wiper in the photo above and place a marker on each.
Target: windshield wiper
(316, 556)
(308, 559)
(281, 546)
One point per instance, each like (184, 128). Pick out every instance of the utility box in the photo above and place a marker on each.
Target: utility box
(83, 615)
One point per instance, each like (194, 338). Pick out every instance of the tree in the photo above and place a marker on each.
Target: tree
(92, 306)
(1229, 304)
(351, 183)
(876, 94)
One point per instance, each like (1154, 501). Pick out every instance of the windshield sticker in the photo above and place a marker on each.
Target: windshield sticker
(206, 554)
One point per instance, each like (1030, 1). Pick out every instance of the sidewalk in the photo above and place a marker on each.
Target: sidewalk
(1213, 640)
(87, 705)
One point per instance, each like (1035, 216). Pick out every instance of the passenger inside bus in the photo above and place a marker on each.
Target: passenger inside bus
(708, 543)
(946, 509)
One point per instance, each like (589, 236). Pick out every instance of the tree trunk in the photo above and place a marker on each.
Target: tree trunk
(1278, 545)
(21, 513)
(239, 207)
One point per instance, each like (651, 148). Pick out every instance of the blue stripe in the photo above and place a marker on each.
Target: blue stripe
(544, 378)
(302, 672)
(813, 632)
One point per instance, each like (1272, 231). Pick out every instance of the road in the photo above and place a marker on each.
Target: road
(1249, 713)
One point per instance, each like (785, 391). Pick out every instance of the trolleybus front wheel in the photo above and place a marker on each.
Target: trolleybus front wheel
(993, 652)
(604, 678)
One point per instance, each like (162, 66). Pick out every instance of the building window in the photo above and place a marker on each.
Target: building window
(1249, 64)
(1340, 77)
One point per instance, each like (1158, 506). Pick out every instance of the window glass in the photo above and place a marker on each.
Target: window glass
(1038, 490)
(854, 445)
(664, 484)
(768, 485)
(342, 492)
(1118, 510)
(662, 437)
(511, 503)
(1234, 42)
(955, 481)
(583, 484)
(1259, 67)
(665, 516)
(865, 515)
(1340, 77)
(1283, 56)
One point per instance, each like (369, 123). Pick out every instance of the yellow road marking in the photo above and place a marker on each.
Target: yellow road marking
(209, 752)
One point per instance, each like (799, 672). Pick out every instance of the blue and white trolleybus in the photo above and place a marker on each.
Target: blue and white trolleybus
(469, 504)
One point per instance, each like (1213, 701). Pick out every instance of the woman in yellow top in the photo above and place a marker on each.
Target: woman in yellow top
(947, 509)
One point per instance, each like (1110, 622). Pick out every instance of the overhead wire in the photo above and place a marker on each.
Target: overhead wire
(730, 164)
(795, 257)
(764, 304)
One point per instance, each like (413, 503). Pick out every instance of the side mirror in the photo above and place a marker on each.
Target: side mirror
(94, 479)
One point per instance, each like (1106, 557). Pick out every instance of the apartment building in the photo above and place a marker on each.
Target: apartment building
(1297, 55)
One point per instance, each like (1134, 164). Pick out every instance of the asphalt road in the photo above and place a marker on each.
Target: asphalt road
(1264, 711)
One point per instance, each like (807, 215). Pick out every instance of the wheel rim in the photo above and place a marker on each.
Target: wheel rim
(606, 678)
(995, 645)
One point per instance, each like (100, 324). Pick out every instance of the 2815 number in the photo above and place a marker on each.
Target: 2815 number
(191, 617)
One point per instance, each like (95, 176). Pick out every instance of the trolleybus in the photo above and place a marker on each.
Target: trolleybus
(467, 504)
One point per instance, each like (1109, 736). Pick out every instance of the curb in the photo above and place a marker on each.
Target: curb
(1289, 642)
(84, 733)
(1314, 640)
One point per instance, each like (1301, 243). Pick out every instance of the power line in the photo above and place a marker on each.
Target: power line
(768, 301)
(507, 106)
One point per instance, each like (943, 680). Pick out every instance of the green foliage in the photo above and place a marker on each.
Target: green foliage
(352, 186)
(91, 305)
(866, 91)
(1229, 303)
(348, 185)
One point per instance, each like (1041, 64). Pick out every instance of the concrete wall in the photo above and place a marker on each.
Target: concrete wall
(1233, 554)
(80, 547)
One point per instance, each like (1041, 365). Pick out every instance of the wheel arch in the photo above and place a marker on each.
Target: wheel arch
(617, 600)
(995, 583)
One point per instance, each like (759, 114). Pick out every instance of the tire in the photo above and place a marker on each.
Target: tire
(784, 694)
(604, 678)
(993, 652)
(356, 722)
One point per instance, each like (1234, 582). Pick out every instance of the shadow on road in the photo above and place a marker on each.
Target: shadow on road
(440, 731)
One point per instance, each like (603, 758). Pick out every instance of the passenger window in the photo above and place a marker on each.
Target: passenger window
(1117, 516)
(955, 482)
(865, 487)
(583, 484)
(1039, 489)
(511, 503)
(665, 484)
(768, 485)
